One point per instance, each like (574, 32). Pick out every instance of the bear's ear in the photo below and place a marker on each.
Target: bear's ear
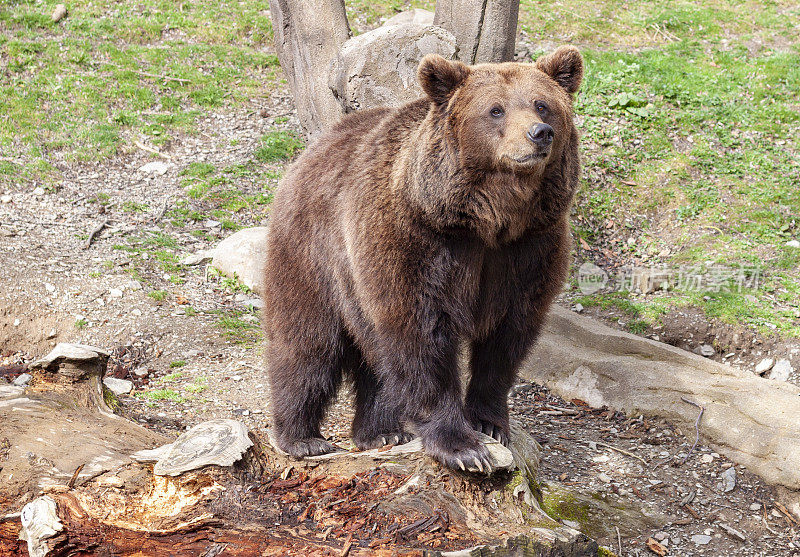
(439, 78)
(565, 66)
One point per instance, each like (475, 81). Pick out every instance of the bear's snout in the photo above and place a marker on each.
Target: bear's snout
(540, 134)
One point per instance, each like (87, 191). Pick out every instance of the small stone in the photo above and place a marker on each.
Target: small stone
(156, 167)
(203, 256)
(603, 477)
(706, 459)
(52, 334)
(793, 244)
(134, 285)
(781, 370)
(660, 536)
(5, 199)
(38, 191)
(49, 287)
(707, 350)
(17, 322)
(59, 13)
(701, 539)
(22, 380)
(732, 532)
(136, 311)
(755, 507)
(141, 372)
(764, 366)
(578, 308)
(237, 378)
(118, 386)
(728, 480)
(212, 223)
(115, 293)
(572, 524)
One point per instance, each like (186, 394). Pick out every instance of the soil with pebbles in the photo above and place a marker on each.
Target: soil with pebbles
(52, 280)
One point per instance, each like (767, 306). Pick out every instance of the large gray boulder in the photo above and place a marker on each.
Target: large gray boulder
(379, 67)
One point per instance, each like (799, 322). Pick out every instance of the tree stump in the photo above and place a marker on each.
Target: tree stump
(81, 479)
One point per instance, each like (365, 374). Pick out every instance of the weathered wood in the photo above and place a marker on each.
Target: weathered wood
(485, 31)
(308, 36)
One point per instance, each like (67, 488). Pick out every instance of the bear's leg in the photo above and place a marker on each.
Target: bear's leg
(302, 386)
(423, 383)
(376, 422)
(494, 365)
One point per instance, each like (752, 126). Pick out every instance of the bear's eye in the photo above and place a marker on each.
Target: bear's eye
(541, 107)
(497, 112)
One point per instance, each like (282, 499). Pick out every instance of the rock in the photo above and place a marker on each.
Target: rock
(764, 366)
(219, 442)
(203, 256)
(210, 223)
(118, 386)
(156, 167)
(728, 480)
(379, 67)
(49, 287)
(39, 522)
(793, 244)
(706, 459)
(141, 372)
(781, 370)
(5, 199)
(38, 191)
(701, 539)
(707, 351)
(578, 308)
(755, 506)
(115, 293)
(22, 380)
(414, 15)
(242, 254)
(59, 13)
(603, 477)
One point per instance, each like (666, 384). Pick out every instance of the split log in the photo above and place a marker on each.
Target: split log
(751, 420)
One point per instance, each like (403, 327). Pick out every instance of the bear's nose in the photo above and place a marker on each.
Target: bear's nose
(540, 134)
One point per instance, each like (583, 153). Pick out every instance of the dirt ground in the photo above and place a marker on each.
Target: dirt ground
(57, 288)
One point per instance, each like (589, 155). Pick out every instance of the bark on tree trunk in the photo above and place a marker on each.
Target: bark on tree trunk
(308, 36)
(485, 30)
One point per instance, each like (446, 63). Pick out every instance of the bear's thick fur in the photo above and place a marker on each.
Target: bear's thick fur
(403, 233)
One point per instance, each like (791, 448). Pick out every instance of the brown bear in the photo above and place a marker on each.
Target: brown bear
(403, 233)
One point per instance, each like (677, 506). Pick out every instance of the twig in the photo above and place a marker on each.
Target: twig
(71, 482)
(95, 231)
(164, 77)
(151, 150)
(619, 540)
(696, 428)
(622, 451)
(163, 210)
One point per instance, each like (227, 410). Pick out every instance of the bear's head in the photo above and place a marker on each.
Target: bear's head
(510, 116)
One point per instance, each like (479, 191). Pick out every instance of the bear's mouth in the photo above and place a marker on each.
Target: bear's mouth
(530, 158)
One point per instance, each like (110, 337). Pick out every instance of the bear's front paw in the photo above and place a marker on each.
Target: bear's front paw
(492, 430)
(312, 446)
(391, 438)
(472, 457)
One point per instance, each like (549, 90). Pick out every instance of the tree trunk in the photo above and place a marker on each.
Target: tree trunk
(486, 31)
(308, 36)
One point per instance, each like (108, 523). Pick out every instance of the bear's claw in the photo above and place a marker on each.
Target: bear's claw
(391, 438)
(308, 447)
(492, 430)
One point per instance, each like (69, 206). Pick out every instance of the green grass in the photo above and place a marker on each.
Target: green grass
(113, 71)
(160, 394)
(278, 145)
(239, 327)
